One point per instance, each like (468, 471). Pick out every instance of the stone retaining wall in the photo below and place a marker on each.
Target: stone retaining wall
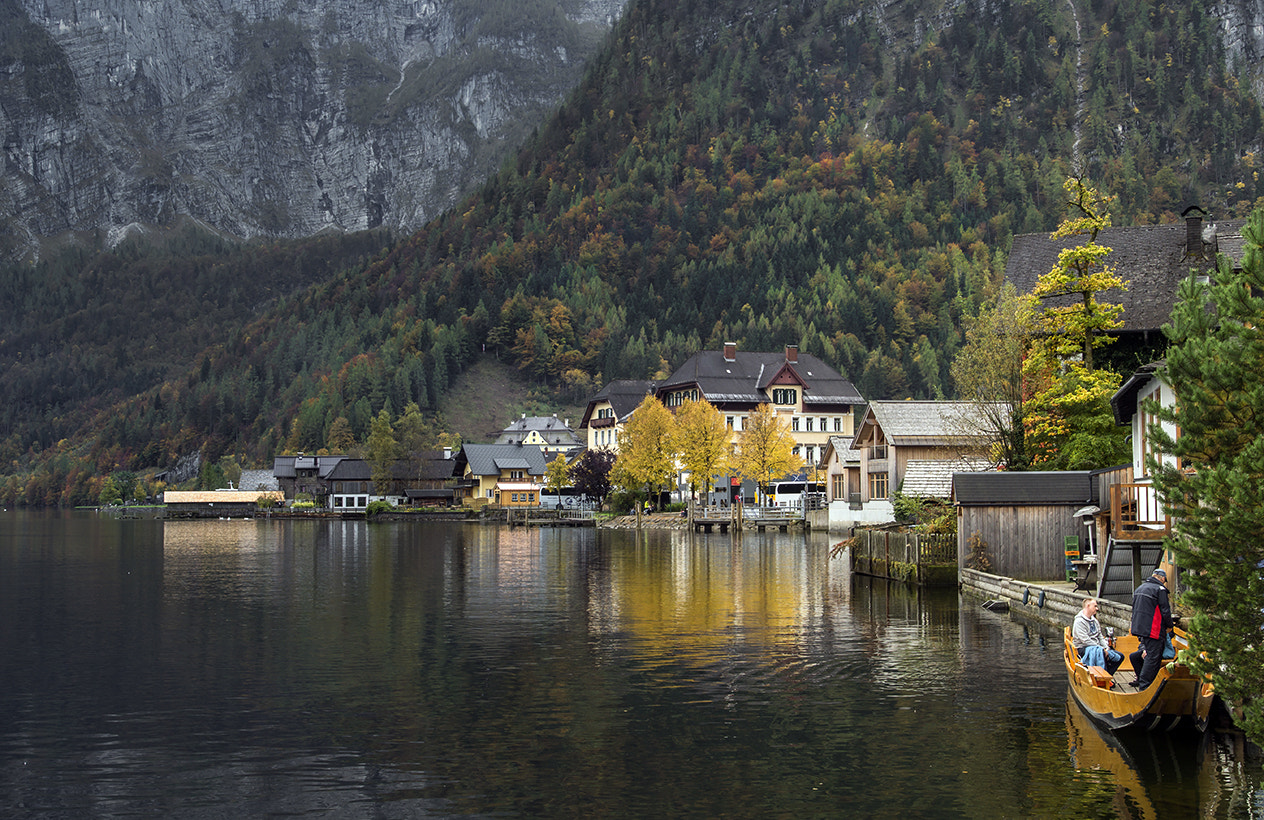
(1053, 604)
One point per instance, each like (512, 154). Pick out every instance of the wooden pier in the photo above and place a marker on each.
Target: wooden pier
(706, 519)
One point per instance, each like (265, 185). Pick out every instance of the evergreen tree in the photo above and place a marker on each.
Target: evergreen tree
(1213, 482)
(1070, 421)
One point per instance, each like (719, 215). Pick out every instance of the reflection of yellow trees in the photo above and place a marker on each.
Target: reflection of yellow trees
(698, 597)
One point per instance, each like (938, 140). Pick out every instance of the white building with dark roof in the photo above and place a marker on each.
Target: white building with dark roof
(814, 399)
(549, 433)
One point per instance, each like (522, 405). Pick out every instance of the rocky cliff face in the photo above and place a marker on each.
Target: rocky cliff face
(270, 118)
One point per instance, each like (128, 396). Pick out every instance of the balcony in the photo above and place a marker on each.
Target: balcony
(1136, 514)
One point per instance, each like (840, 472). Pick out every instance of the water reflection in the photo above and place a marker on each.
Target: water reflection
(256, 667)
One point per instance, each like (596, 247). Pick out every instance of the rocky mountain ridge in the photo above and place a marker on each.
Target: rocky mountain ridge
(266, 118)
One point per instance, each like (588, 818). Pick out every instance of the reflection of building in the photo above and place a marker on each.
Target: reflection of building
(609, 410)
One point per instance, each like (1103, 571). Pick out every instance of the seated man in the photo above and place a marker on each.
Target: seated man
(1086, 635)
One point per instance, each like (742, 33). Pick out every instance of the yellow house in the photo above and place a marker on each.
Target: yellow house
(609, 410)
(501, 474)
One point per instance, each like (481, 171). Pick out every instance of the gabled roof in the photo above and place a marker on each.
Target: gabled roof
(933, 479)
(487, 459)
(1151, 258)
(1124, 402)
(288, 466)
(552, 430)
(925, 423)
(351, 469)
(842, 446)
(624, 395)
(742, 379)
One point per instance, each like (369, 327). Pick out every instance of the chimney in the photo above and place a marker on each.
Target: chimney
(792, 354)
(1193, 232)
(730, 351)
(447, 453)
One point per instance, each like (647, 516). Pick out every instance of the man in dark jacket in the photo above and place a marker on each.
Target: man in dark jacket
(1151, 620)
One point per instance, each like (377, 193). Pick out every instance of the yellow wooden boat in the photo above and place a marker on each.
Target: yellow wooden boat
(1174, 698)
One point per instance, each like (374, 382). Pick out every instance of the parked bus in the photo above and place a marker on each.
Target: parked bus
(790, 493)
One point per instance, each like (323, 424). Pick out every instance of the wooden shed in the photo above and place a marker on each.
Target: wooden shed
(1025, 518)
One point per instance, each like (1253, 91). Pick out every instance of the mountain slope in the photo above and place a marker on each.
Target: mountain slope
(270, 119)
(842, 175)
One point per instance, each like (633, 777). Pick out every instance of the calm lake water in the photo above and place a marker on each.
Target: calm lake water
(254, 668)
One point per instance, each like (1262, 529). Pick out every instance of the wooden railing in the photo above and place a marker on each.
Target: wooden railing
(1136, 514)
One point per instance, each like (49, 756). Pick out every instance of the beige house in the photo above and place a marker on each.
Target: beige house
(912, 447)
(500, 474)
(609, 410)
(813, 399)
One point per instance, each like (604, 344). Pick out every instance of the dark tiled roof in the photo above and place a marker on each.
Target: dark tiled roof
(624, 396)
(488, 459)
(551, 429)
(1151, 258)
(743, 379)
(287, 466)
(1039, 489)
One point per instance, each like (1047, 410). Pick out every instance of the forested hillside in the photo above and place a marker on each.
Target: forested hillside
(812, 173)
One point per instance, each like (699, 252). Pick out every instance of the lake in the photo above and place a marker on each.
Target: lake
(392, 670)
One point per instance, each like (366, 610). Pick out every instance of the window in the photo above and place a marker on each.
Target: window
(785, 396)
(840, 485)
(838, 424)
(811, 454)
(823, 420)
(530, 498)
(879, 485)
(810, 424)
(514, 498)
(728, 420)
(489, 493)
(794, 424)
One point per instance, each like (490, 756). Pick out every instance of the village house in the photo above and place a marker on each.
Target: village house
(1153, 259)
(550, 434)
(813, 399)
(501, 474)
(345, 483)
(608, 411)
(908, 446)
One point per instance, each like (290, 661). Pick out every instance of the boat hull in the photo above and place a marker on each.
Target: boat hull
(1173, 699)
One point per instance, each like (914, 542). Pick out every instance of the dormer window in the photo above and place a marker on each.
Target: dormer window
(785, 396)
